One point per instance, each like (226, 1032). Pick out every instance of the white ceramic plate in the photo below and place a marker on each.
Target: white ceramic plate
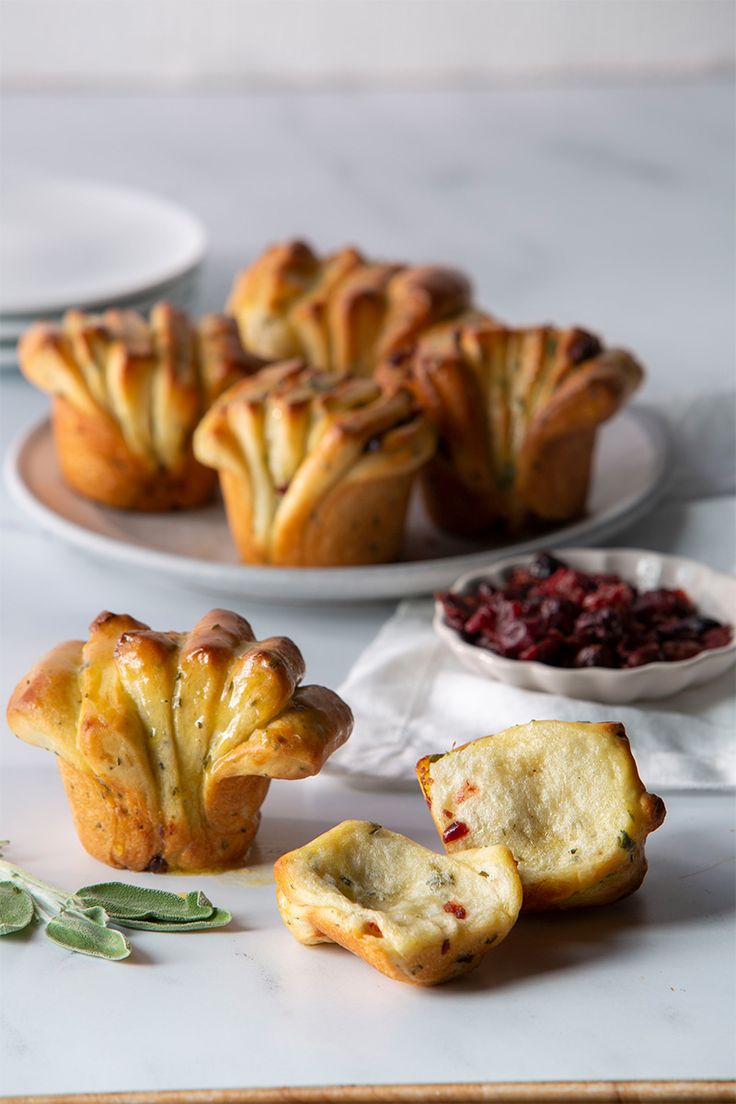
(713, 592)
(179, 291)
(66, 242)
(629, 476)
(182, 292)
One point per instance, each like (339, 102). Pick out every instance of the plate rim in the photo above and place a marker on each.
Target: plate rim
(185, 280)
(265, 581)
(195, 256)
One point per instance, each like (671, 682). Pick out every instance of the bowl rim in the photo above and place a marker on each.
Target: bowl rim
(497, 567)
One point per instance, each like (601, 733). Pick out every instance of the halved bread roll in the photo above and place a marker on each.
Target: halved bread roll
(414, 915)
(565, 797)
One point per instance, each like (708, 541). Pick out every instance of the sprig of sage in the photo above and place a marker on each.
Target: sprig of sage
(81, 921)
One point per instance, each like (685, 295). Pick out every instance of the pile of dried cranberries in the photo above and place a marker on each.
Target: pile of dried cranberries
(548, 612)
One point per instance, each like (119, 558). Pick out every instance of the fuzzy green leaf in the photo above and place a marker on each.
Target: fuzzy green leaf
(135, 903)
(16, 908)
(218, 919)
(83, 930)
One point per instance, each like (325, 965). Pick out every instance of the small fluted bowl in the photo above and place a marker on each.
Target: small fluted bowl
(713, 593)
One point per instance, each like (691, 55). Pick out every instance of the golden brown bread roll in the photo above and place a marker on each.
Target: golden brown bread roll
(127, 394)
(167, 741)
(341, 313)
(566, 798)
(414, 915)
(316, 470)
(517, 411)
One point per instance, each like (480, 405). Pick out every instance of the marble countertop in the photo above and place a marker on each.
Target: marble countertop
(608, 206)
(638, 991)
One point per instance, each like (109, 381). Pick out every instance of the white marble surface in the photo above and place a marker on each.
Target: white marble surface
(641, 990)
(608, 206)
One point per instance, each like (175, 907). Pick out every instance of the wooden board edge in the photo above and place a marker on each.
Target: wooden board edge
(517, 1092)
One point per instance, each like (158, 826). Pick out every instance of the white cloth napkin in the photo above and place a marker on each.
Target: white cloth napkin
(412, 697)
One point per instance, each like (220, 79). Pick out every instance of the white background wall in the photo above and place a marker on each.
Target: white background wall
(265, 43)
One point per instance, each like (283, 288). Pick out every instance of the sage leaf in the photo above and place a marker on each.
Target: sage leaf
(96, 914)
(16, 908)
(135, 903)
(78, 931)
(218, 919)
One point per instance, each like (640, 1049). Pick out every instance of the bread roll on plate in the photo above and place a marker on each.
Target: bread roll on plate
(517, 413)
(316, 470)
(341, 312)
(127, 394)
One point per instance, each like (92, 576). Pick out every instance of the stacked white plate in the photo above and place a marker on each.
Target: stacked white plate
(80, 243)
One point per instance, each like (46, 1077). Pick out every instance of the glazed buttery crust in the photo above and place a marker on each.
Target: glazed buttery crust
(127, 394)
(517, 411)
(565, 797)
(316, 470)
(342, 313)
(412, 914)
(167, 741)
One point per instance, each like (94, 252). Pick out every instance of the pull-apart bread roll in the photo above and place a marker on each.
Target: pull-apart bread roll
(127, 394)
(414, 915)
(315, 470)
(167, 741)
(517, 411)
(566, 798)
(342, 313)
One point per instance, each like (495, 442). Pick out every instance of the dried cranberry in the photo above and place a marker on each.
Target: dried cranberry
(674, 650)
(595, 655)
(558, 613)
(483, 620)
(567, 583)
(717, 637)
(465, 791)
(692, 628)
(599, 625)
(663, 603)
(544, 565)
(551, 651)
(456, 909)
(519, 581)
(649, 653)
(609, 596)
(455, 831)
(514, 637)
